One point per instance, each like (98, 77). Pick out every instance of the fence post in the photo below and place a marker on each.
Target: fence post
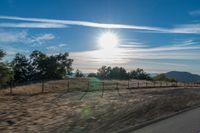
(42, 86)
(128, 84)
(88, 86)
(117, 84)
(67, 85)
(102, 89)
(11, 90)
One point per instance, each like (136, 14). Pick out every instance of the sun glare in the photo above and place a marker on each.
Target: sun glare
(109, 50)
(108, 41)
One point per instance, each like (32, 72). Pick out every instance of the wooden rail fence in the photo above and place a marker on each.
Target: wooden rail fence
(89, 85)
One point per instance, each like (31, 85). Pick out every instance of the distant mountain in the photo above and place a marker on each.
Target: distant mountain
(183, 76)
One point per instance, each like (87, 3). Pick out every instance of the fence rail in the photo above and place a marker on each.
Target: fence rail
(87, 85)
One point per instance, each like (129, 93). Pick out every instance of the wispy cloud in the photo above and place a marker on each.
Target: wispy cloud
(133, 56)
(51, 48)
(40, 39)
(187, 42)
(186, 28)
(163, 63)
(131, 43)
(24, 37)
(57, 48)
(11, 37)
(12, 51)
(32, 25)
(82, 23)
(62, 45)
(195, 13)
(181, 29)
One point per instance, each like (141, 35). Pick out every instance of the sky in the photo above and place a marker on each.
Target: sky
(156, 35)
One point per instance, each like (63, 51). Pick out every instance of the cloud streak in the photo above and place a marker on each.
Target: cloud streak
(24, 37)
(195, 13)
(181, 29)
(83, 23)
(167, 57)
(32, 25)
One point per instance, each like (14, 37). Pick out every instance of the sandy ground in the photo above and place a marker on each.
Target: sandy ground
(68, 113)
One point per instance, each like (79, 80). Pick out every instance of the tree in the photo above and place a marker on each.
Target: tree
(118, 73)
(103, 72)
(50, 67)
(163, 77)
(78, 73)
(22, 69)
(5, 72)
(139, 74)
(2, 54)
(92, 75)
(172, 80)
(38, 62)
(64, 64)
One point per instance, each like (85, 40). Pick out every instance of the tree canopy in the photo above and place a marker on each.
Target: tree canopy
(40, 66)
(5, 71)
(139, 74)
(78, 73)
(50, 67)
(21, 68)
(120, 73)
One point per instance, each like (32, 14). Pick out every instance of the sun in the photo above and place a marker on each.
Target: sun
(108, 41)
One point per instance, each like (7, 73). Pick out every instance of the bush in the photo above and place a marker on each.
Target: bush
(163, 77)
(92, 75)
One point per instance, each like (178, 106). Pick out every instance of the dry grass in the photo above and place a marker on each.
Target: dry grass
(65, 112)
(81, 84)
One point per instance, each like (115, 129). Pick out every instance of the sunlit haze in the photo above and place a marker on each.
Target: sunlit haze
(108, 41)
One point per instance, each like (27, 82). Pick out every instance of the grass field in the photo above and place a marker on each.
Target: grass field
(58, 110)
(89, 84)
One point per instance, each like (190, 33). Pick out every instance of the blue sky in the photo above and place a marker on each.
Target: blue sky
(157, 35)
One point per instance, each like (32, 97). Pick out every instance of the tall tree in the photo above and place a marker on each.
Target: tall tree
(139, 74)
(118, 73)
(103, 72)
(21, 68)
(78, 73)
(5, 71)
(38, 62)
(51, 67)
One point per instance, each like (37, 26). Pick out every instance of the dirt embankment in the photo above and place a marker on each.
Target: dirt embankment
(65, 112)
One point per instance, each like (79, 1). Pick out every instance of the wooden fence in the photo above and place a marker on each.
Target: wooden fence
(86, 85)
